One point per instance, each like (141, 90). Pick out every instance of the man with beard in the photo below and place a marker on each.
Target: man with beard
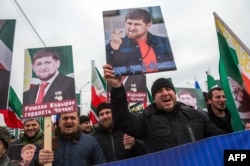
(32, 132)
(115, 144)
(53, 85)
(217, 111)
(85, 124)
(139, 48)
(164, 124)
(71, 147)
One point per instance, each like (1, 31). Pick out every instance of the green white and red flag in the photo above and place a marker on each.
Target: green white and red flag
(98, 92)
(211, 82)
(234, 73)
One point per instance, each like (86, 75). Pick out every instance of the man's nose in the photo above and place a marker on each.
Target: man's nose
(69, 120)
(165, 91)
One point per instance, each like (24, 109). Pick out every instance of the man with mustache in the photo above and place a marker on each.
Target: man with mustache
(115, 144)
(139, 47)
(71, 147)
(164, 124)
(217, 110)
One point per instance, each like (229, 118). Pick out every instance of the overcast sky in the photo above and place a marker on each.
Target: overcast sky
(190, 26)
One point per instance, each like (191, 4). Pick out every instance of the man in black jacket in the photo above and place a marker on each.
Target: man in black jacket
(115, 144)
(217, 109)
(164, 124)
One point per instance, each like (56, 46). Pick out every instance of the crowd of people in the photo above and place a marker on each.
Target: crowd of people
(164, 124)
(120, 135)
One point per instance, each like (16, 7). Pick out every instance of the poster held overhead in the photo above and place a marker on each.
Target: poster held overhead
(139, 44)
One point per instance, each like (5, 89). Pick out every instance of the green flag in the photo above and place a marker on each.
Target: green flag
(14, 103)
(231, 49)
(211, 83)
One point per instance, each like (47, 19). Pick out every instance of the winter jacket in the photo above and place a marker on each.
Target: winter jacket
(159, 129)
(85, 151)
(223, 124)
(25, 140)
(112, 145)
(5, 160)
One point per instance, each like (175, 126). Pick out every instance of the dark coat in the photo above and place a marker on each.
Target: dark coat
(159, 129)
(225, 124)
(61, 83)
(112, 145)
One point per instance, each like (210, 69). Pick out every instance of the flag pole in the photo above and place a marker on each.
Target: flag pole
(47, 119)
(29, 22)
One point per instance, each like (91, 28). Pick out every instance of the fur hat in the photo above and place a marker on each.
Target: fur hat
(160, 83)
(84, 118)
(29, 119)
(5, 136)
(102, 106)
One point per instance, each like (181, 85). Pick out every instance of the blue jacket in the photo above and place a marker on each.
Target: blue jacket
(86, 151)
(128, 58)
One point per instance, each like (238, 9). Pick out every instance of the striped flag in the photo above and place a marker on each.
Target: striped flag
(12, 115)
(7, 30)
(98, 92)
(211, 83)
(234, 57)
(10, 105)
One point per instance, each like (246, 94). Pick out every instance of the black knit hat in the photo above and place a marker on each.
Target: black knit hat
(160, 83)
(84, 118)
(102, 106)
(5, 136)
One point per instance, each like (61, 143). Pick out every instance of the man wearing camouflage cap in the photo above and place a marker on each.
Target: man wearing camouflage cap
(32, 132)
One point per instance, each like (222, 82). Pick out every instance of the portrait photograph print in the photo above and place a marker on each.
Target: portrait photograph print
(135, 87)
(136, 41)
(49, 84)
(191, 97)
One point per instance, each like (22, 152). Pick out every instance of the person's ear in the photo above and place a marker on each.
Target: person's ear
(149, 25)
(209, 101)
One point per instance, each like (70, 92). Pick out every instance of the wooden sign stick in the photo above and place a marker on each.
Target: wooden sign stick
(47, 135)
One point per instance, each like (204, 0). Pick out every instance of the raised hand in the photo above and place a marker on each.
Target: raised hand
(109, 76)
(116, 39)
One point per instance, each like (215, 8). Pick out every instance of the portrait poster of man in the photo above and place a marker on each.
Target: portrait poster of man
(136, 41)
(192, 97)
(7, 30)
(21, 154)
(135, 86)
(49, 84)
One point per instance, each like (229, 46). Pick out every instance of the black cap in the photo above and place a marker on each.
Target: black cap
(102, 106)
(160, 83)
(84, 118)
